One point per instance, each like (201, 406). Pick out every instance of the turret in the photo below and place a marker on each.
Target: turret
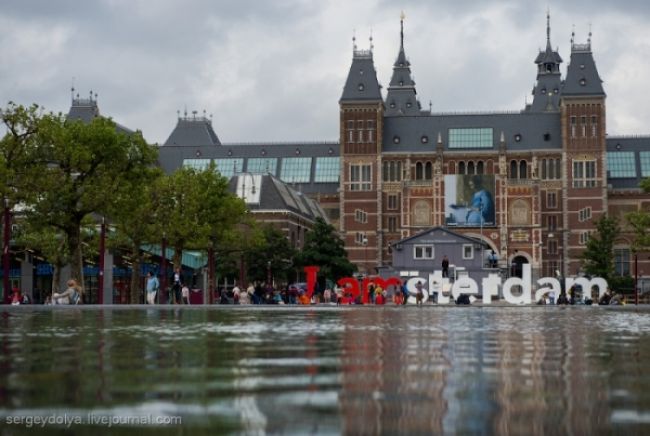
(401, 98)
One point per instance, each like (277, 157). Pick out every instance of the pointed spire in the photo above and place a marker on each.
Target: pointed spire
(354, 40)
(548, 28)
(401, 32)
(372, 46)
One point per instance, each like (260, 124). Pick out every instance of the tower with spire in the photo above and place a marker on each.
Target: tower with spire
(401, 98)
(546, 93)
(582, 106)
(361, 120)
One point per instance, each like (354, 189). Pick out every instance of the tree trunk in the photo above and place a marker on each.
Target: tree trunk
(178, 257)
(56, 278)
(74, 247)
(135, 277)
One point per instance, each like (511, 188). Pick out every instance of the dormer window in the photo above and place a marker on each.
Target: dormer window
(401, 83)
(543, 91)
(396, 139)
(392, 105)
(424, 139)
(408, 104)
(549, 68)
(361, 72)
(583, 82)
(361, 87)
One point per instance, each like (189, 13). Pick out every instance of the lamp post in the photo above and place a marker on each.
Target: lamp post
(102, 249)
(211, 272)
(163, 271)
(269, 278)
(5, 249)
(636, 279)
(365, 254)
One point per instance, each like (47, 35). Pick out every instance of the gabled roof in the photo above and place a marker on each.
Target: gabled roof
(437, 229)
(275, 195)
(362, 84)
(193, 131)
(582, 77)
(86, 110)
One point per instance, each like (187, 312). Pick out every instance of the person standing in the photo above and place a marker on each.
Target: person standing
(185, 292)
(419, 295)
(445, 266)
(176, 287)
(152, 288)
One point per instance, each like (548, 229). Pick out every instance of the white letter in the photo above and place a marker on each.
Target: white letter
(525, 284)
(491, 285)
(464, 285)
(587, 284)
(438, 284)
(555, 287)
(412, 290)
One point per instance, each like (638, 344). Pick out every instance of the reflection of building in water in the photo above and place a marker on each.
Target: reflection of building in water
(393, 374)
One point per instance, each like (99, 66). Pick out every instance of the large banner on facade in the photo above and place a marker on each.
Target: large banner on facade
(469, 200)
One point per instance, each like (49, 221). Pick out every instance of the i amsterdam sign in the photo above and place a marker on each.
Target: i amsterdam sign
(352, 289)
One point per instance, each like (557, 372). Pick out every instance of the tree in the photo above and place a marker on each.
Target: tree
(325, 249)
(195, 208)
(599, 254)
(82, 165)
(640, 223)
(134, 217)
(274, 248)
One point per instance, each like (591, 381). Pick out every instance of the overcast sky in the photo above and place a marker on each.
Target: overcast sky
(274, 70)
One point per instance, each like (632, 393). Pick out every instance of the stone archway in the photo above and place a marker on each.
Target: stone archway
(516, 265)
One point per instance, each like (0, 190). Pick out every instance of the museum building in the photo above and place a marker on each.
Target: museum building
(529, 184)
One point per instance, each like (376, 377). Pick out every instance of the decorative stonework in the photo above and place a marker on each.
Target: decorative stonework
(519, 213)
(422, 213)
(519, 235)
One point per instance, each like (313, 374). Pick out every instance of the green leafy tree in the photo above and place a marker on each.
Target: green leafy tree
(640, 223)
(84, 165)
(324, 248)
(195, 209)
(133, 217)
(598, 257)
(274, 252)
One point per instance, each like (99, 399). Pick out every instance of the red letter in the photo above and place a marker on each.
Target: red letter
(311, 271)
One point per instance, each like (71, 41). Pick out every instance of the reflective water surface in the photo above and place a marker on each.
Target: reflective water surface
(329, 370)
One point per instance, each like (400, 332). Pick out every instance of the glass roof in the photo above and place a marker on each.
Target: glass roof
(621, 164)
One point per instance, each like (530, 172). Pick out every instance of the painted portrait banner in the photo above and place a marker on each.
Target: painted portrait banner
(469, 200)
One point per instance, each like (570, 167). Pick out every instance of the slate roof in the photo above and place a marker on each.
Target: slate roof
(534, 131)
(582, 77)
(193, 131)
(86, 110)
(401, 98)
(276, 195)
(437, 229)
(362, 84)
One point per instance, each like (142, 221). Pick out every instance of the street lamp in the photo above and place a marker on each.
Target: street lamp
(268, 274)
(364, 242)
(5, 251)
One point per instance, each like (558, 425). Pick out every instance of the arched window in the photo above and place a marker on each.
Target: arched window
(513, 169)
(470, 167)
(391, 171)
(428, 171)
(523, 173)
(461, 167)
(558, 168)
(418, 171)
(384, 172)
(479, 167)
(542, 168)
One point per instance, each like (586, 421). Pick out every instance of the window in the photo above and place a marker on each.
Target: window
(479, 167)
(551, 200)
(583, 122)
(296, 170)
(551, 221)
(262, 165)
(360, 216)
(513, 169)
(461, 167)
(573, 127)
(423, 252)
(370, 125)
(350, 131)
(392, 224)
(419, 171)
(594, 126)
(552, 268)
(468, 251)
(197, 164)
(361, 239)
(552, 246)
(228, 167)
(428, 171)
(392, 171)
(470, 167)
(523, 170)
(550, 169)
(360, 131)
(360, 178)
(621, 164)
(471, 138)
(644, 157)
(584, 214)
(327, 170)
(392, 202)
(584, 237)
(584, 174)
(622, 262)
